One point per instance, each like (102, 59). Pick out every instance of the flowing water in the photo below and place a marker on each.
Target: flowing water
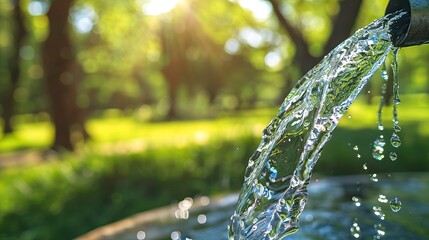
(274, 192)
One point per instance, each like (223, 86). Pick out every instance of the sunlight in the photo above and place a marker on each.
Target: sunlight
(157, 7)
(261, 10)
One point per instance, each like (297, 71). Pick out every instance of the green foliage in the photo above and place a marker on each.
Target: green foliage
(122, 59)
(62, 200)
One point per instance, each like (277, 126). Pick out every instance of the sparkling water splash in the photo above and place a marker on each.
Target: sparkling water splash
(380, 229)
(355, 229)
(356, 201)
(274, 192)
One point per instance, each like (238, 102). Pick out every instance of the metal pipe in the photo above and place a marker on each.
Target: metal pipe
(413, 28)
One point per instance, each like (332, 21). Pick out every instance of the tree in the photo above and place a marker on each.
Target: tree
(61, 73)
(174, 66)
(19, 36)
(342, 27)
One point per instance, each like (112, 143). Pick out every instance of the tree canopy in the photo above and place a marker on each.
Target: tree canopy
(178, 58)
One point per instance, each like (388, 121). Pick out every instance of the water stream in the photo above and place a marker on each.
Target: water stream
(274, 192)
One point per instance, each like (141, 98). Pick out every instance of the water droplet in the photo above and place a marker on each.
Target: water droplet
(377, 155)
(358, 156)
(355, 229)
(254, 227)
(373, 177)
(396, 101)
(380, 141)
(384, 75)
(395, 204)
(378, 212)
(393, 156)
(355, 148)
(202, 219)
(175, 235)
(365, 166)
(259, 190)
(378, 149)
(382, 198)
(381, 230)
(141, 235)
(273, 174)
(397, 128)
(356, 201)
(369, 92)
(395, 141)
(380, 127)
(350, 116)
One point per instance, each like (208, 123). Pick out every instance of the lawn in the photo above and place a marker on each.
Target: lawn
(131, 166)
(115, 128)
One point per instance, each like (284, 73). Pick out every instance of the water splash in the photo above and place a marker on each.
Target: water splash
(380, 229)
(271, 202)
(382, 198)
(355, 229)
(356, 201)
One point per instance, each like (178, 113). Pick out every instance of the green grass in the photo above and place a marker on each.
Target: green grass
(413, 109)
(127, 129)
(95, 186)
(62, 200)
(27, 135)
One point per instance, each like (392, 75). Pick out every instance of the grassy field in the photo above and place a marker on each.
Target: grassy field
(114, 128)
(131, 166)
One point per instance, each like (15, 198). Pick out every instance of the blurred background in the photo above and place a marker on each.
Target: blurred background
(109, 108)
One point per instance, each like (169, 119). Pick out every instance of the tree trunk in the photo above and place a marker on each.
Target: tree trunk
(174, 65)
(344, 23)
(19, 36)
(342, 28)
(60, 72)
(172, 74)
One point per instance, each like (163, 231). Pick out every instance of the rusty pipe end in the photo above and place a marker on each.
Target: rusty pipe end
(413, 28)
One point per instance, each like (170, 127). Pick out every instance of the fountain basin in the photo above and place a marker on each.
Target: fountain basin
(329, 213)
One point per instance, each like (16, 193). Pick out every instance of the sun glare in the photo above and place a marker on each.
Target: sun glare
(157, 7)
(260, 9)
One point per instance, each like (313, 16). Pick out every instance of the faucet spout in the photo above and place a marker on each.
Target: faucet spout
(413, 28)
